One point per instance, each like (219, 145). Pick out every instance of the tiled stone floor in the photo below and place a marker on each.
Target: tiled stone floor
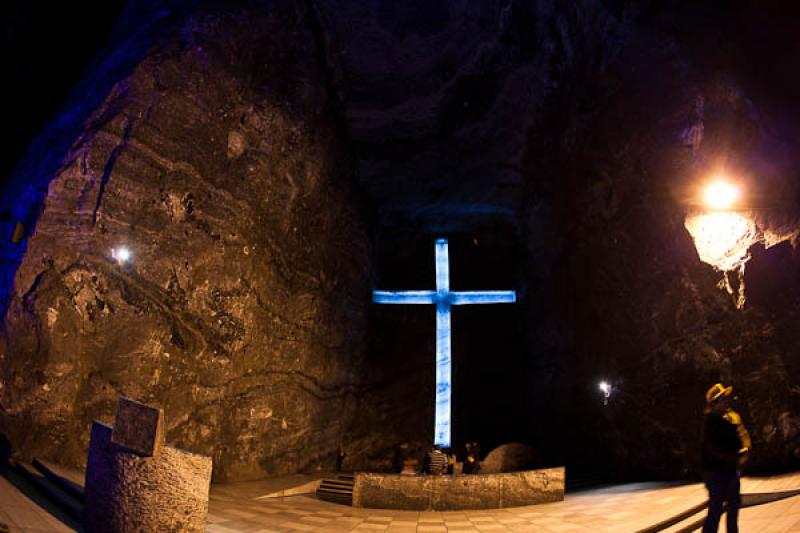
(24, 510)
(623, 508)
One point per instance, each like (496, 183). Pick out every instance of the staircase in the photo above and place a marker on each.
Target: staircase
(339, 490)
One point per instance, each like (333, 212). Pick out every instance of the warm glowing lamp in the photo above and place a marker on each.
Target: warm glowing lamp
(723, 233)
(720, 194)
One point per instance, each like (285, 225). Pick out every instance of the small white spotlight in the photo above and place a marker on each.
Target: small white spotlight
(721, 194)
(605, 387)
(121, 254)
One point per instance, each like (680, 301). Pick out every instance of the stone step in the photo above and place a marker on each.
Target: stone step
(336, 498)
(335, 493)
(341, 490)
(337, 490)
(336, 483)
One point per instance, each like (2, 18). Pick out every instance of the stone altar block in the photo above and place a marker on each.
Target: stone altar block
(453, 493)
(126, 491)
(138, 427)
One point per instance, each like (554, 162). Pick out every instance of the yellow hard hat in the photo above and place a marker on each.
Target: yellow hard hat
(717, 391)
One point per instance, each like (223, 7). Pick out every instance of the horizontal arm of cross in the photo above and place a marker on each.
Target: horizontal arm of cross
(483, 297)
(404, 297)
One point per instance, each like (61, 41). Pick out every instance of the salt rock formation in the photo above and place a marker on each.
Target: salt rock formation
(586, 129)
(559, 140)
(625, 295)
(200, 247)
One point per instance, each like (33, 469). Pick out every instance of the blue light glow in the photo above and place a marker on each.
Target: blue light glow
(483, 297)
(443, 298)
(404, 297)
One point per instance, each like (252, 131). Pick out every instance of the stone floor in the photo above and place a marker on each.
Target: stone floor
(622, 508)
(22, 508)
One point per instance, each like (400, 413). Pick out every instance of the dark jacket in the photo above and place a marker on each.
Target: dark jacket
(726, 443)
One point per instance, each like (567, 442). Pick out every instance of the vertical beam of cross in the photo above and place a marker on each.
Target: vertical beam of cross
(442, 413)
(443, 298)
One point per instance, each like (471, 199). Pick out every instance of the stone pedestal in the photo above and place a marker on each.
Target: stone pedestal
(451, 493)
(126, 491)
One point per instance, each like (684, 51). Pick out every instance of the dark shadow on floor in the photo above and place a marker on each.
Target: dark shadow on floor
(748, 500)
(31, 492)
(616, 488)
(759, 498)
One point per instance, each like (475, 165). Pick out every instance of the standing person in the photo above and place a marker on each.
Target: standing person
(726, 446)
(472, 458)
(436, 461)
(400, 456)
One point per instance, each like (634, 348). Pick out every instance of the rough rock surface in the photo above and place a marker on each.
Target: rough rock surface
(127, 492)
(556, 143)
(509, 457)
(452, 493)
(220, 164)
(585, 126)
(622, 293)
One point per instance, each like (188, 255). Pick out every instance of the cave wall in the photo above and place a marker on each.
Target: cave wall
(220, 162)
(614, 167)
(229, 155)
(439, 98)
(586, 126)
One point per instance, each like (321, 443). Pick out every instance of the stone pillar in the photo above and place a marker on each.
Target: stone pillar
(135, 483)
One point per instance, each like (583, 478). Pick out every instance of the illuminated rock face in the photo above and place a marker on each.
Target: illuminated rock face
(722, 239)
(551, 138)
(219, 163)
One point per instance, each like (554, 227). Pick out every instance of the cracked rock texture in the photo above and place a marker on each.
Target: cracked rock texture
(586, 127)
(622, 294)
(452, 493)
(557, 144)
(219, 162)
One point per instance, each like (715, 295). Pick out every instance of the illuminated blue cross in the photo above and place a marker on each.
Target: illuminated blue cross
(443, 298)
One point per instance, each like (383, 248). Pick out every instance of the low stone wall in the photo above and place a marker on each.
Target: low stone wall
(452, 493)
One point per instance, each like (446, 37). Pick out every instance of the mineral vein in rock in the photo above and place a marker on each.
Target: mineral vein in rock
(443, 298)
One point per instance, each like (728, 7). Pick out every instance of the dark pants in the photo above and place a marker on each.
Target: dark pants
(723, 488)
